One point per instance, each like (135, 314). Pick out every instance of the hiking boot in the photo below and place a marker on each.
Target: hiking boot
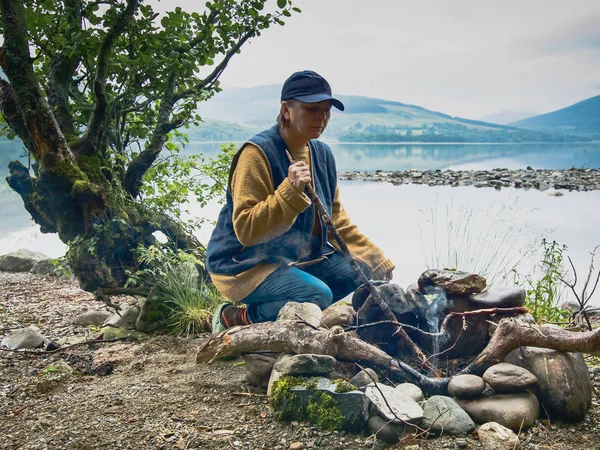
(227, 315)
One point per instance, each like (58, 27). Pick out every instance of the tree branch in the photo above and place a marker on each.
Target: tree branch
(98, 116)
(216, 73)
(62, 67)
(140, 165)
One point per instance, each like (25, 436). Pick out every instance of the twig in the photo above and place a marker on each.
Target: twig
(488, 311)
(60, 349)
(249, 394)
(302, 321)
(448, 318)
(584, 298)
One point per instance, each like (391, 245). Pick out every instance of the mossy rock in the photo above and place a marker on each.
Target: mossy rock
(330, 405)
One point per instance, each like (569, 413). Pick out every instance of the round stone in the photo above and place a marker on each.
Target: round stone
(466, 386)
(505, 377)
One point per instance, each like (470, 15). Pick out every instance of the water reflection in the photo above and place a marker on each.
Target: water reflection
(379, 156)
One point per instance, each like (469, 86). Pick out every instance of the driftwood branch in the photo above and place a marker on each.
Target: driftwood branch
(289, 337)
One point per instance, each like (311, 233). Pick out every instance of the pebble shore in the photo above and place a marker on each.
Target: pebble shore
(540, 179)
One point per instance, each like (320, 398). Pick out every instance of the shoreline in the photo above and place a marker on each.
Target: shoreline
(580, 180)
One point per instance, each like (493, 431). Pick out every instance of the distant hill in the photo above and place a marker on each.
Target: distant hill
(364, 118)
(506, 117)
(580, 118)
(236, 113)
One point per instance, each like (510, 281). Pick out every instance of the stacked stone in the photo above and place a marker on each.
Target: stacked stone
(506, 399)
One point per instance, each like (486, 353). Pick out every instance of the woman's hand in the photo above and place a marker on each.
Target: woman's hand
(299, 175)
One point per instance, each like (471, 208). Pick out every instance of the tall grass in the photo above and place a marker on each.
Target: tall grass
(189, 302)
(486, 242)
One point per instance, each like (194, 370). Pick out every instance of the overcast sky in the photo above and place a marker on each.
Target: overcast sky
(467, 58)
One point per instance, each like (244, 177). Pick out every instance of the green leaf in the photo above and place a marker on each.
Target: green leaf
(281, 3)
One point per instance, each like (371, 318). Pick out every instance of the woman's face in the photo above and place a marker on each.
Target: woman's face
(307, 120)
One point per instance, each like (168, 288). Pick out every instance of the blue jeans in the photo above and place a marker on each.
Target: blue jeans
(321, 283)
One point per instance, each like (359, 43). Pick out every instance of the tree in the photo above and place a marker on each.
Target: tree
(96, 90)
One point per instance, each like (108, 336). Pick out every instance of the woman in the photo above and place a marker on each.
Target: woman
(269, 247)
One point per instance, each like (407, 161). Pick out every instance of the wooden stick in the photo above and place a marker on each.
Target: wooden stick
(387, 312)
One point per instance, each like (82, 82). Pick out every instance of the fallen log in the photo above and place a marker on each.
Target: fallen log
(297, 338)
(291, 337)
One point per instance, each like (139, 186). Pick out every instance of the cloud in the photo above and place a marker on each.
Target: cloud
(581, 34)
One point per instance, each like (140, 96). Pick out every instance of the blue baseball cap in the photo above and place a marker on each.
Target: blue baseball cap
(308, 87)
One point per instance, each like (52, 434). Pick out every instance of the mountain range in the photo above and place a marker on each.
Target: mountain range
(582, 117)
(237, 113)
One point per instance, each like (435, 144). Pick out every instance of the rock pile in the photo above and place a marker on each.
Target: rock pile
(507, 401)
(541, 179)
(504, 400)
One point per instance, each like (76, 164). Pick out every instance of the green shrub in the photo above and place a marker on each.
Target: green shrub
(189, 301)
(543, 293)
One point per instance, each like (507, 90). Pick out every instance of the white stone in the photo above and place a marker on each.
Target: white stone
(402, 406)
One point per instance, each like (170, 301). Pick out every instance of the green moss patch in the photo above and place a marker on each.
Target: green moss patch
(314, 406)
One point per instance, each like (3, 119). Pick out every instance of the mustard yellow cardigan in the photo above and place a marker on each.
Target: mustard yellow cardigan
(261, 212)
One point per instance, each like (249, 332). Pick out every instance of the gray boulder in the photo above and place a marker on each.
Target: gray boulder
(442, 415)
(411, 391)
(364, 378)
(92, 318)
(259, 367)
(514, 411)
(24, 338)
(340, 313)
(305, 364)
(309, 312)
(20, 261)
(403, 408)
(494, 436)
(466, 386)
(44, 267)
(125, 318)
(453, 282)
(564, 387)
(508, 297)
(505, 377)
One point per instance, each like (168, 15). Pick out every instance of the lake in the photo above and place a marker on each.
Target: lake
(420, 226)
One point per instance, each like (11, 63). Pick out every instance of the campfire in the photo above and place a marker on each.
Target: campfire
(440, 356)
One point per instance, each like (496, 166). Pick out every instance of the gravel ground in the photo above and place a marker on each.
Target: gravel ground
(151, 394)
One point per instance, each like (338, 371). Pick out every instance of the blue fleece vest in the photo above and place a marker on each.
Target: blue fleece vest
(226, 255)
